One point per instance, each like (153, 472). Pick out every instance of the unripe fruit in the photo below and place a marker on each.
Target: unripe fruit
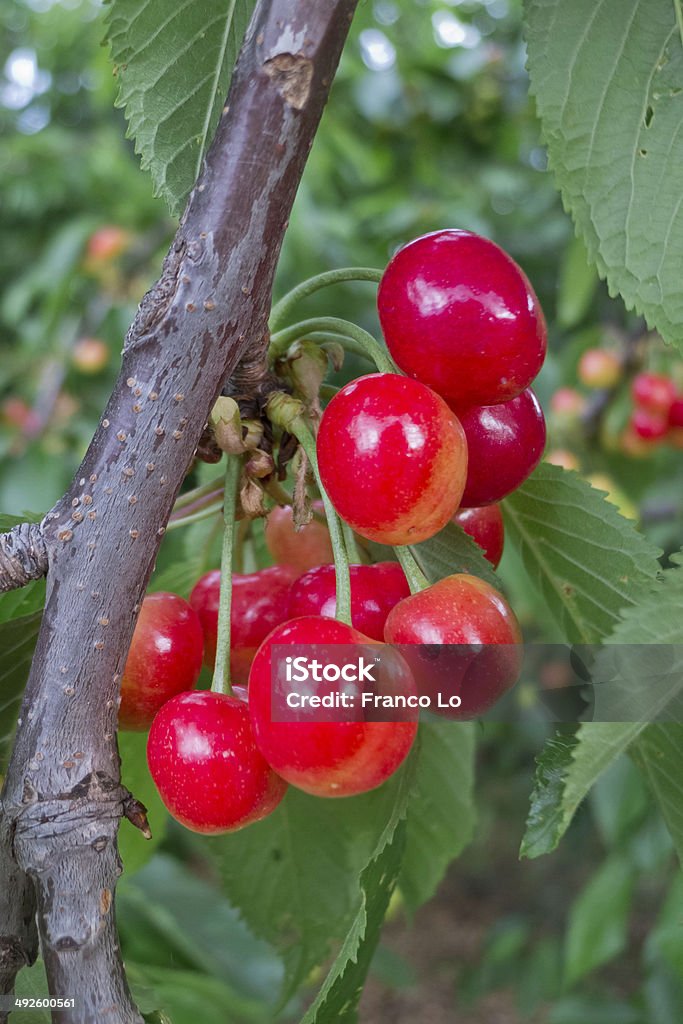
(460, 315)
(567, 405)
(206, 766)
(105, 244)
(90, 355)
(375, 589)
(599, 368)
(392, 458)
(302, 549)
(467, 642)
(324, 757)
(505, 444)
(259, 603)
(165, 658)
(485, 526)
(563, 458)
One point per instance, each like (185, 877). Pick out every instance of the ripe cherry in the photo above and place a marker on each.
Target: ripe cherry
(259, 603)
(459, 314)
(649, 424)
(676, 412)
(323, 756)
(165, 658)
(654, 391)
(485, 527)
(392, 458)
(481, 657)
(302, 549)
(599, 368)
(375, 589)
(505, 444)
(206, 766)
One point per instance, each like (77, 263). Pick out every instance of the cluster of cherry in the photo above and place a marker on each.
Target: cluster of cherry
(399, 456)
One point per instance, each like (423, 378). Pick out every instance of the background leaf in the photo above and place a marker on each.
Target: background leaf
(598, 921)
(174, 67)
(607, 78)
(17, 641)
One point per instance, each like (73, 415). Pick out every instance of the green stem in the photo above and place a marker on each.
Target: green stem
(305, 437)
(195, 517)
(279, 312)
(350, 542)
(189, 497)
(221, 673)
(679, 17)
(417, 580)
(364, 341)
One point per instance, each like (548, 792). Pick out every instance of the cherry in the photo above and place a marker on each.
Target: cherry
(567, 405)
(485, 526)
(562, 457)
(654, 391)
(599, 368)
(259, 603)
(676, 412)
(482, 659)
(105, 244)
(375, 589)
(165, 658)
(460, 315)
(302, 549)
(649, 424)
(392, 458)
(206, 766)
(90, 355)
(325, 757)
(505, 444)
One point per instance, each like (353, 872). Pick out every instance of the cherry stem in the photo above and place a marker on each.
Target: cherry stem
(361, 341)
(221, 673)
(350, 542)
(313, 284)
(189, 497)
(304, 436)
(417, 580)
(203, 512)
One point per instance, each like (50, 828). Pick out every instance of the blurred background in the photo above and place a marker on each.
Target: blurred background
(429, 125)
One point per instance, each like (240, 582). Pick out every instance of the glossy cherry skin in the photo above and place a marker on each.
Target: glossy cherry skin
(375, 589)
(329, 758)
(485, 526)
(599, 368)
(165, 658)
(259, 603)
(302, 549)
(459, 314)
(505, 444)
(654, 391)
(648, 424)
(392, 458)
(463, 612)
(204, 761)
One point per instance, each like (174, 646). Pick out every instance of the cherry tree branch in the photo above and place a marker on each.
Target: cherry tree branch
(62, 800)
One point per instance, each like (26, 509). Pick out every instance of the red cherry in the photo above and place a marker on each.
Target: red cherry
(599, 368)
(105, 244)
(375, 589)
(322, 756)
(505, 444)
(259, 603)
(485, 527)
(648, 424)
(654, 391)
(460, 315)
(165, 658)
(481, 659)
(206, 766)
(302, 549)
(392, 458)
(676, 412)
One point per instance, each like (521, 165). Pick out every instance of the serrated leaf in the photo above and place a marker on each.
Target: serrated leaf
(337, 1001)
(586, 560)
(598, 920)
(607, 77)
(17, 642)
(452, 551)
(174, 65)
(441, 812)
(658, 754)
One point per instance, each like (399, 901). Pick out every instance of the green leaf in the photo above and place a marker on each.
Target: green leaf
(586, 560)
(598, 920)
(17, 642)
(577, 285)
(451, 551)
(174, 66)
(135, 850)
(658, 755)
(607, 78)
(441, 812)
(337, 1001)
